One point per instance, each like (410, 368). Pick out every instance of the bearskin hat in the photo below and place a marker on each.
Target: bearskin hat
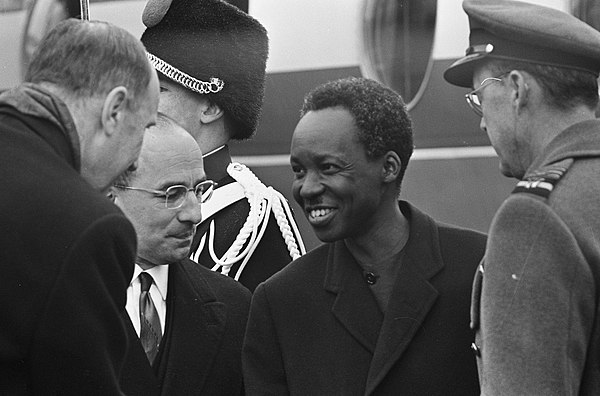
(214, 49)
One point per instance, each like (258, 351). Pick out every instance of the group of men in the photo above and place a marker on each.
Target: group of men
(124, 211)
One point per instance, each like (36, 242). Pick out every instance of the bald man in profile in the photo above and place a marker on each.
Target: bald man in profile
(191, 336)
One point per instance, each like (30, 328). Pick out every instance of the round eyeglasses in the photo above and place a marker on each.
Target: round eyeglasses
(473, 98)
(174, 196)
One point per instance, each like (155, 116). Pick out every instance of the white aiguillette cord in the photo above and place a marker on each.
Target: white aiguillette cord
(262, 200)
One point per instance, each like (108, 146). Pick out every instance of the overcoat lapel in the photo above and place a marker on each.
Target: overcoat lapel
(137, 376)
(354, 306)
(197, 322)
(412, 296)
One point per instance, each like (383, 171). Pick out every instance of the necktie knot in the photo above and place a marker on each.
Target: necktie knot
(146, 280)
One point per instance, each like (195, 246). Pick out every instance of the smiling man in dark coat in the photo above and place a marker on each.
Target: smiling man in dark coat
(67, 252)
(382, 308)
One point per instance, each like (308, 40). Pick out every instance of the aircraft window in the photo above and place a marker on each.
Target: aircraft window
(588, 11)
(398, 42)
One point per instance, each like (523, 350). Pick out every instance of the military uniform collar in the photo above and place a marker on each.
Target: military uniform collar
(579, 140)
(216, 162)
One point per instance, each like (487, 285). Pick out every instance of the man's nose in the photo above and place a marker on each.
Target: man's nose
(311, 185)
(482, 125)
(191, 210)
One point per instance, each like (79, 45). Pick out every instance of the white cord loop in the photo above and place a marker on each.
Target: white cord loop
(263, 200)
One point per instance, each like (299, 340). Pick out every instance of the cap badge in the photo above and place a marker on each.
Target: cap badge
(480, 49)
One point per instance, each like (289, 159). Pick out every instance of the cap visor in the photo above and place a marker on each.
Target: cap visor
(461, 72)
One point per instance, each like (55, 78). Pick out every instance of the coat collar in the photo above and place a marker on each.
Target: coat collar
(579, 140)
(387, 337)
(193, 313)
(33, 100)
(216, 162)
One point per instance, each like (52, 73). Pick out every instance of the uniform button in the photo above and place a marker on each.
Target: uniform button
(475, 349)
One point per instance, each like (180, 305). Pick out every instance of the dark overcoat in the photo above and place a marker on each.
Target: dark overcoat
(200, 353)
(536, 305)
(315, 328)
(66, 258)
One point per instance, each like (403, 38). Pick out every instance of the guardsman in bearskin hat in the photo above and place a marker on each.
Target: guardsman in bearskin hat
(211, 59)
(534, 71)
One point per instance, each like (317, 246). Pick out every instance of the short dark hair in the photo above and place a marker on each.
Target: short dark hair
(88, 58)
(563, 88)
(378, 111)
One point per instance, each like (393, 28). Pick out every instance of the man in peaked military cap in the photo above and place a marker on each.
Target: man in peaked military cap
(211, 58)
(535, 308)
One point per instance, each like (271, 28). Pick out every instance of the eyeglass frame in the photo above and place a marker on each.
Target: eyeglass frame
(165, 192)
(470, 95)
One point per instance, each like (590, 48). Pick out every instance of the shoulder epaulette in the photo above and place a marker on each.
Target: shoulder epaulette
(542, 181)
(263, 201)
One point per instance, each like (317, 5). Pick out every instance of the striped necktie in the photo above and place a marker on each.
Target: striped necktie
(150, 331)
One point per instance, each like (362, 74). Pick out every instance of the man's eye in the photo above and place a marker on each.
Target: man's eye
(175, 194)
(329, 168)
(298, 171)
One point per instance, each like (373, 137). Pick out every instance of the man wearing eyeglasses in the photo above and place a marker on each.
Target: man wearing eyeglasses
(535, 304)
(211, 59)
(190, 321)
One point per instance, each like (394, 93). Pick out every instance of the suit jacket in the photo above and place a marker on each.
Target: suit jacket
(315, 328)
(536, 307)
(67, 254)
(271, 254)
(200, 352)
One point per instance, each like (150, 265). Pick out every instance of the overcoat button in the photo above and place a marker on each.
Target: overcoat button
(371, 278)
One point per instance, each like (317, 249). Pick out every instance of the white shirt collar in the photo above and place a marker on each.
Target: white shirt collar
(160, 274)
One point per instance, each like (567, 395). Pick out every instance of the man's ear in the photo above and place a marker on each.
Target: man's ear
(520, 94)
(113, 109)
(391, 168)
(210, 112)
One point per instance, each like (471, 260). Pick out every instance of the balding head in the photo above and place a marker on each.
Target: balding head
(165, 225)
(88, 58)
(102, 74)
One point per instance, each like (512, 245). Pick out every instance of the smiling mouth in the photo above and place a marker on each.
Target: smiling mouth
(318, 217)
(316, 213)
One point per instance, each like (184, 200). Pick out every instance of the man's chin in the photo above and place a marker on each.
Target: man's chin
(325, 235)
(180, 254)
(506, 171)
